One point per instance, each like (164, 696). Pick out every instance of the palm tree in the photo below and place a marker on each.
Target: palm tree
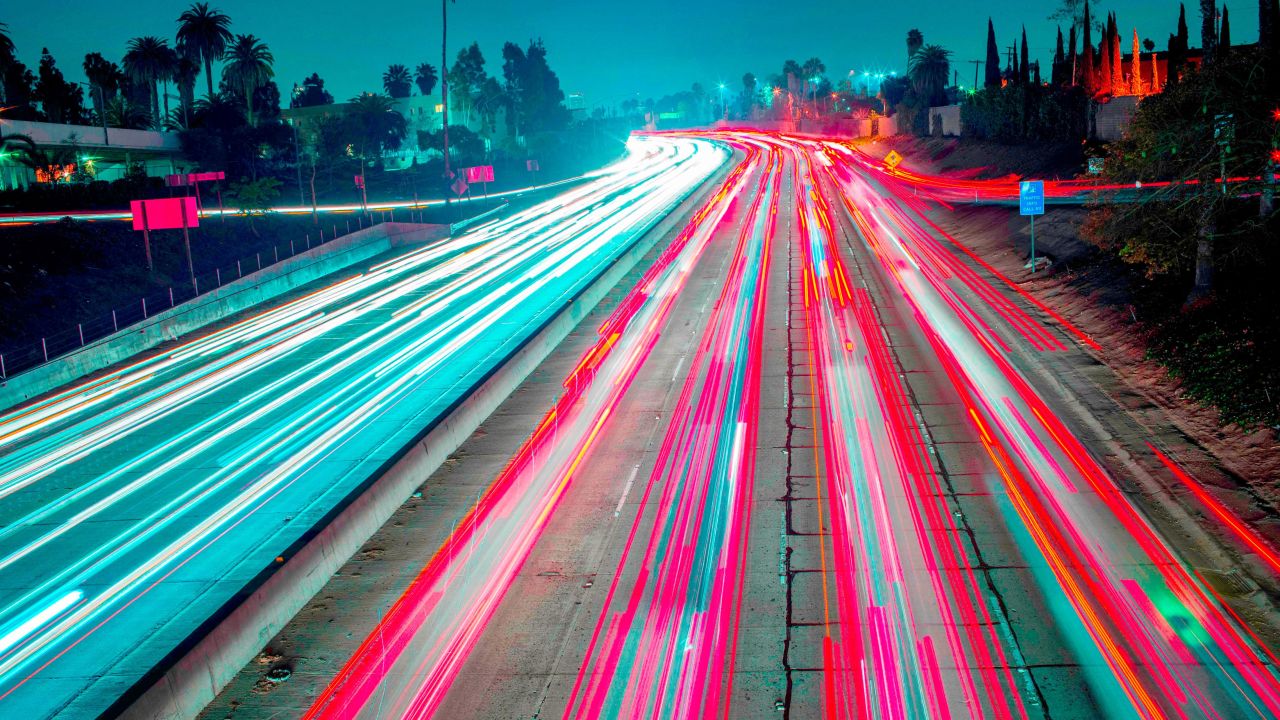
(203, 36)
(123, 114)
(6, 43)
(248, 67)
(378, 124)
(929, 70)
(185, 72)
(147, 61)
(168, 68)
(813, 67)
(104, 80)
(397, 81)
(426, 78)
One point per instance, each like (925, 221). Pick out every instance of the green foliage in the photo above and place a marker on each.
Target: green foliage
(1228, 360)
(1223, 342)
(256, 197)
(1025, 113)
(465, 147)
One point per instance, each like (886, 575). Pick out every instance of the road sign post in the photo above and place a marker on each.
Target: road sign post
(1031, 204)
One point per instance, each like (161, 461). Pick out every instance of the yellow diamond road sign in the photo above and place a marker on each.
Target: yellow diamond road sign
(892, 160)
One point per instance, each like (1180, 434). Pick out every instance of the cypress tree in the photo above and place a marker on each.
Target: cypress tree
(1208, 30)
(1224, 35)
(1025, 66)
(1072, 59)
(1059, 61)
(1086, 63)
(993, 57)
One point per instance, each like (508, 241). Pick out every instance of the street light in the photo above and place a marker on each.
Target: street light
(723, 104)
(102, 100)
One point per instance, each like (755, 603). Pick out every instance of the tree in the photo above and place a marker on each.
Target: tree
(748, 94)
(993, 57)
(1266, 23)
(248, 66)
(1072, 72)
(311, 94)
(1224, 34)
(1086, 64)
(1024, 69)
(488, 101)
(812, 68)
(1136, 80)
(61, 101)
(123, 114)
(375, 125)
(466, 78)
(425, 78)
(104, 78)
(532, 90)
(255, 197)
(1208, 29)
(146, 61)
(1059, 61)
(465, 146)
(1179, 228)
(397, 81)
(185, 72)
(915, 41)
(929, 70)
(204, 36)
(7, 48)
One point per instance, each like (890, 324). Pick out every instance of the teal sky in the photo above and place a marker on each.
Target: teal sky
(606, 50)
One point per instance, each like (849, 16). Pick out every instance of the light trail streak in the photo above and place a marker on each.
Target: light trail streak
(168, 484)
(665, 643)
(1151, 636)
(409, 661)
(1171, 649)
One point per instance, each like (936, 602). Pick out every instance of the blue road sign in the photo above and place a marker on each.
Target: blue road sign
(1031, 197)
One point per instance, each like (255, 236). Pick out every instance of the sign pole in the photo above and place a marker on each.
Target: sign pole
(1033, 243)
(146, 238)
(186, 240)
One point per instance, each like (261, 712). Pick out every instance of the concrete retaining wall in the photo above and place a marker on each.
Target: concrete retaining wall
(196, 679)
(236, 296)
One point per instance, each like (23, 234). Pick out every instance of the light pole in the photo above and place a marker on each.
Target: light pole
(102, 101)
(297, 163)
(723, 104)
(444, 90)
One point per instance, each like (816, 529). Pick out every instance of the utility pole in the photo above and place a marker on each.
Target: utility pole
(444, 90)
(976, 64)
(297, 164)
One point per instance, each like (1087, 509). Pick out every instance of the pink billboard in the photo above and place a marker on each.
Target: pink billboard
(480, 174)
(165, 213)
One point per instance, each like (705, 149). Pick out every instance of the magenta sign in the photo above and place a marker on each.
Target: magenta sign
(182, 180)
(164, 213)
(480, 174)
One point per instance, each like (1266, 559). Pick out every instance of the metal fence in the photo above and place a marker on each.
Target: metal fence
(16, 359)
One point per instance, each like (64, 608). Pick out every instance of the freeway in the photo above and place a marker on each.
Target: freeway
(819, 460)
(136, 507)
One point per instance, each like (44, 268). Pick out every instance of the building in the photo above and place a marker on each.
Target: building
(103, 153)
(421, 113)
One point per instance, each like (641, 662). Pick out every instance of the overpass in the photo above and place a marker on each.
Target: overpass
(109, 150)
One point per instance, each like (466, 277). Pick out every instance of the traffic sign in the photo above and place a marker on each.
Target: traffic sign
(480, 174)
(893, 160)
(1031, 197)
(459, 187)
